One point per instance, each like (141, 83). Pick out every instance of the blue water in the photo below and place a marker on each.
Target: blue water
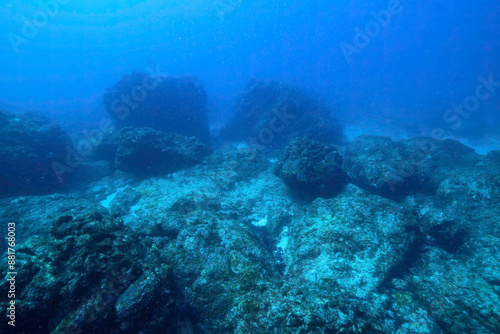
(426, 58)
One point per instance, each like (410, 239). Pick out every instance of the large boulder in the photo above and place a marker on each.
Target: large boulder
(147, 151)
(177, 105)
(393, 169)
(269, 114)
(376, 164)
(30, 148)
(311, 169)
(436, 159)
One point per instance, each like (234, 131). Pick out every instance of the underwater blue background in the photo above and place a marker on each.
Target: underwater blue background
(427, 58)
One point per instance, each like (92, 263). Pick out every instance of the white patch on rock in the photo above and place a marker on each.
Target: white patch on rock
(283, 239)
(262, 222)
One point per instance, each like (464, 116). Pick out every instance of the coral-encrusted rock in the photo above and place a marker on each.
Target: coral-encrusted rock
(376, 164)
(269, 114)
(355, 242)
(29, 144)
(437, 159)
(471, 193)
(147, 151)
(34, 214)
(311, 169)
(77, 281)
(393, 169)
(169, 104)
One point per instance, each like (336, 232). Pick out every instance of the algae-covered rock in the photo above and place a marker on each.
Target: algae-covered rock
(311, 169)
(270, 114)
(71, 281)
(458, 298)
(146, 151)
(356, 240)
(177, 105)
(377, 165)
(34, 215)
(395, 169)
(30, 145)
(437, 159)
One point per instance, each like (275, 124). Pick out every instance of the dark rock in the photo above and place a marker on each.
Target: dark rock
(146, 290)
(34, 214)
(269, 114)
(106, 148)
(437, 159)
(376, 164)
(169, 104)
(394, 169)
(449, 236)
(29, 145)
(93, 275)
(147, 151)
(311, 169)
(73, 281)
(89, 172)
